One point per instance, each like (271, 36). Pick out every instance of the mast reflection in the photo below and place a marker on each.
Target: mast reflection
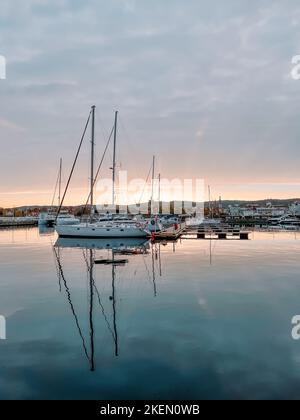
(89, 247)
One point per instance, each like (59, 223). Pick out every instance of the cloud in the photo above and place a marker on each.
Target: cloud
(166, 66)
(5, 124)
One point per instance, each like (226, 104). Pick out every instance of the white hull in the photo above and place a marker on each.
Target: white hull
(98, 243)
(101, 231)
(67, 221)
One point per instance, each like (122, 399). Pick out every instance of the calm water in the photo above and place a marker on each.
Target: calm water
(198, 319)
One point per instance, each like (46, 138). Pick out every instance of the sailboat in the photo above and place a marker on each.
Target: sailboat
(50, 218)
(103, 229)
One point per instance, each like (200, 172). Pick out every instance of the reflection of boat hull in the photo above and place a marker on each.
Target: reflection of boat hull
(101, 243)
(211, 221)
(46, 219)
(45, 230)
(101, 231)
(285, 221)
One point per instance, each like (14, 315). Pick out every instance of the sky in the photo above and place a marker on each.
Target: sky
(206, 86)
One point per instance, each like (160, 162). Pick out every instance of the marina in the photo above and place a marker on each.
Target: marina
(149, 204)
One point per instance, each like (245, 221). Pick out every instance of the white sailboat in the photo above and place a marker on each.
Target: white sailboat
(65, 218)
(103, 229)
(50, 218)
(46, 219)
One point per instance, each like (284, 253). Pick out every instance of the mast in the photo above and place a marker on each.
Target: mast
(159, 181)
(153, 271)
(91, 269)
(114, 159)
(153, 176)
(113, 298)
(92, 159)
(209, 202)
(59, 182)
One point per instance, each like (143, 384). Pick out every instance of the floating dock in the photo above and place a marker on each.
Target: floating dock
(8, 222)
(221, 232)
(170, 233)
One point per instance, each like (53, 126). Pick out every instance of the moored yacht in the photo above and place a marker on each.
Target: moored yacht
(287, 219)
(103, 230)
(65, 218)
(46, 219)
(117, 227)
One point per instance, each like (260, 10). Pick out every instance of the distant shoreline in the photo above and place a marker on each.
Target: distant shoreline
(225, 204)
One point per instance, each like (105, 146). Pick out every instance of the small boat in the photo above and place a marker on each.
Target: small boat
(46, 219)
(110, 262)
(286, 220)
(65, 218)
(209, 221)
(51, 218)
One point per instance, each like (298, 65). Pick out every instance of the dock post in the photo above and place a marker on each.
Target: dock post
(222, 235)
(201, 235)
(244, 236)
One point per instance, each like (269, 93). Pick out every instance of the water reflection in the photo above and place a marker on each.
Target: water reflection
(116, 247)
(218, 309)
(46, 231)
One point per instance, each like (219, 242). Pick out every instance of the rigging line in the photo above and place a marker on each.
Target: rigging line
(154, 274)
(56, 267)
(147, 269)
(114, 310)
(103, 313)
(56, 185)
(146, 183)
(71, 304)
(99, 300)
(98, 118)
(99, 168)
(74, 164)
(92, 331)
(100, 303)
(128, 139)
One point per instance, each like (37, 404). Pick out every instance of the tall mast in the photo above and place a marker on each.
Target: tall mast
(59, 182)
(209, 201)
(91, 269)
(153, 176)
(114, 159)
(159, 182)
(92, 159)
(113, 298)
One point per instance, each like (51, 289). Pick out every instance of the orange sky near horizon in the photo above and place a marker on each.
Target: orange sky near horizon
(230, 191)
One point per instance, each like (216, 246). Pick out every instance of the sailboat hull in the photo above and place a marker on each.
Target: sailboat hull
(96, 231)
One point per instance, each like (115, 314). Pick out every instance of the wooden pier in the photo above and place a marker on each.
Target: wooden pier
(9, 222)
(221, 232)
(170, 233)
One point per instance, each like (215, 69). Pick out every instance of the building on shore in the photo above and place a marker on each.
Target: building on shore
(253, 211)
